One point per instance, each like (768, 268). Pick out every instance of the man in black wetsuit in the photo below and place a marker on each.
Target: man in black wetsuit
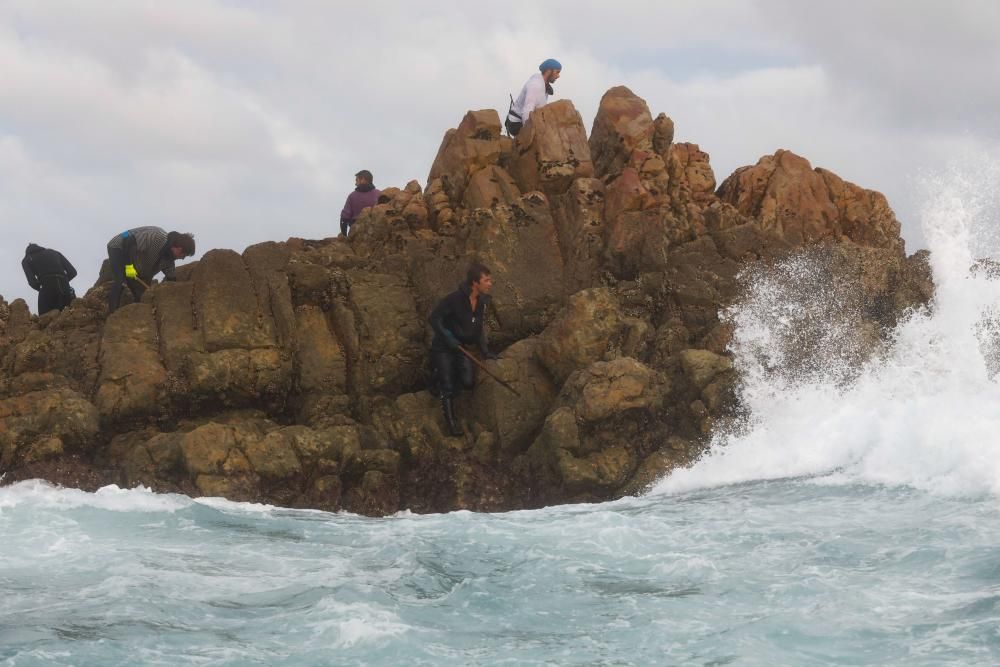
(48, 273)
(458, 321)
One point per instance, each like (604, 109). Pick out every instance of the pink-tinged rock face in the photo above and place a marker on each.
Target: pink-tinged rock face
(474, 145)
(790, 198)
(623, 124)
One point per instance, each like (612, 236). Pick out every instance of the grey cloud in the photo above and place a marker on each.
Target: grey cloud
(921, 64)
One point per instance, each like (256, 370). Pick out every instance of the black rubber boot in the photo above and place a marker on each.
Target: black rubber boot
(449, 417)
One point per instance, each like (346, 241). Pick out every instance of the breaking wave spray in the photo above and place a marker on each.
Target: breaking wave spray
(923, 411)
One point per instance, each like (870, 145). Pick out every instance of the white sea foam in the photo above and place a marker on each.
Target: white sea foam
(924, 412)
(42, 495)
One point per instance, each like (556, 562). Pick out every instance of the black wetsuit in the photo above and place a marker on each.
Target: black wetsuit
(455, 324)
(49, 273)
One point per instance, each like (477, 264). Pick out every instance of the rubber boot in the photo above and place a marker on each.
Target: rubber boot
(449, 417)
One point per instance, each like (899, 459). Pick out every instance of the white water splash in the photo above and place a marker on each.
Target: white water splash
(923, 413)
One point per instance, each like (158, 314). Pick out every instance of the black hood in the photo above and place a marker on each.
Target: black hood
(33, 248)
(365, 187)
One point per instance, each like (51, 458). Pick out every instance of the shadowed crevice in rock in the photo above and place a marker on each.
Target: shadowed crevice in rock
(295, 372)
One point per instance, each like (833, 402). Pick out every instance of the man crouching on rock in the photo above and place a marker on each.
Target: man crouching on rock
(458, 320)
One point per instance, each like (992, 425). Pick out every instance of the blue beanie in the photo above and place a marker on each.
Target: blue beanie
(551, 63)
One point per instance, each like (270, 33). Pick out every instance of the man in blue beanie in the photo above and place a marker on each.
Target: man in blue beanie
(534, 94)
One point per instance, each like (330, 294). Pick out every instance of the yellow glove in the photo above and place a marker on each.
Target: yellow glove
(130, 272)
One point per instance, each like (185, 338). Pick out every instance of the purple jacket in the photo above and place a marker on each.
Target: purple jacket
(358, 201)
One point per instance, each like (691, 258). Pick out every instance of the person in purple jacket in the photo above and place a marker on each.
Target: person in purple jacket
(364, 196)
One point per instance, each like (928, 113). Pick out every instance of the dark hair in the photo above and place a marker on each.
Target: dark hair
(365, 174)
(476, 272)
(182, 241)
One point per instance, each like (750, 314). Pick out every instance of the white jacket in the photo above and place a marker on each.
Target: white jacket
(532, 96)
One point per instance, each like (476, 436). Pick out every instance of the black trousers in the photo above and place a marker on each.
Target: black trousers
(55, 294)
(116, 258)
(453, 371)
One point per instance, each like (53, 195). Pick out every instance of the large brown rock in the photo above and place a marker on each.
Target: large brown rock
(608, 388)
(590, 328)
(514, 419)
(36, 418)
(702, 366)
(520, 246)
(785, 194)
(133, 380)
(219, 341)
(490, 187)
(579, 218)
(600, 431)
(622, 125)
(551, 151)
(226, 306)
(474, 145)
(691, 177)
(320, 356)
(65, 343)
(654, 205)
(388, 352)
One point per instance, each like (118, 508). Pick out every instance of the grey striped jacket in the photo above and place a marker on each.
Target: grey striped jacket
(151, 252)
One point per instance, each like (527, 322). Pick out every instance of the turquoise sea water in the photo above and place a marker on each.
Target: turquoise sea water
(799, 571)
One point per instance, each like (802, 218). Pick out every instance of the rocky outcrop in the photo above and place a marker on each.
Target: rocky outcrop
(551, 151)
(295, 372)
(786, 195)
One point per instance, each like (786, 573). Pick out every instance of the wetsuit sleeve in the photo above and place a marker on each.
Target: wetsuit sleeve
(438, 315)
(131, 249)
(169, 273)
(29, 273)
(67, 267)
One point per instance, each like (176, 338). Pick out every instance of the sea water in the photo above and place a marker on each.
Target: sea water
(852, 518)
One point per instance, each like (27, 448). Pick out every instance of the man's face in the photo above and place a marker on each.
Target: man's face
(358, 180)
(551, 75)
(177, 252)
(485, 283)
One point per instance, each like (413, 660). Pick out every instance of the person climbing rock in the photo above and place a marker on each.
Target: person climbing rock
(365, 195)
(49, 274)
(534, 94)
(136, 255)
(457, 320)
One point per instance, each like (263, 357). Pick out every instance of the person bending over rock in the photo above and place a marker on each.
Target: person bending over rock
(457, 320)
(365, 195)
(534, 94)
(48, 273)
(136, 255)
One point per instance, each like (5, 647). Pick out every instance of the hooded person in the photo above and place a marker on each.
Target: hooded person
(48, 273)
(136, 255)
(365, 195)
(534, 94)
(457, 320)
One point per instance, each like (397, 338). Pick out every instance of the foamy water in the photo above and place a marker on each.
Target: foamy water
(923, 413)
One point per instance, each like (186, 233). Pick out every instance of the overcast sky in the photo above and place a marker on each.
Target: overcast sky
(245, 121)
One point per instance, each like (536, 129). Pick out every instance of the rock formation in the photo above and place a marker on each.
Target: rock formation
(294, 373)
